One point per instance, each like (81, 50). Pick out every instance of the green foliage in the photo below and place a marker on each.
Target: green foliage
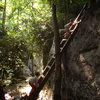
(28, 26)
(26, 30)
(1, 6)
(27, 20)
(11, 61)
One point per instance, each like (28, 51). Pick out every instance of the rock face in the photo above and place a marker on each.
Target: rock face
(81, 61)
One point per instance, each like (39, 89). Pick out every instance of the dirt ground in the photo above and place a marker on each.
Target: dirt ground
(15, 91)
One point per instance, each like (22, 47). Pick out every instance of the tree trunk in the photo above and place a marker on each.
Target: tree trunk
(32, 64)
(4, 17)
(57, 86)
(81, 60)
(68, 10)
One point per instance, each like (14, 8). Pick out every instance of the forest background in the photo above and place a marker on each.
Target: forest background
(26, 30)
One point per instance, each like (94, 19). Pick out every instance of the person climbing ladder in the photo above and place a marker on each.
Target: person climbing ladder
(33, 82)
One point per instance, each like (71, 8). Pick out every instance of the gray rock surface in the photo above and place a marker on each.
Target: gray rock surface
(81, 79)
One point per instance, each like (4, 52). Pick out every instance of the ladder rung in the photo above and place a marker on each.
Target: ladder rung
(51, 61)
(62, 42)
(46, 70)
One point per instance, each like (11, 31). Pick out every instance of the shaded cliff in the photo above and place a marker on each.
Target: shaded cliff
(81, 76)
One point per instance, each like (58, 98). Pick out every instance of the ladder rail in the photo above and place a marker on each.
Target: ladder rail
(35, 93)
(76, 26)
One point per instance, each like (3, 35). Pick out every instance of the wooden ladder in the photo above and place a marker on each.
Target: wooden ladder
(51, 64)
